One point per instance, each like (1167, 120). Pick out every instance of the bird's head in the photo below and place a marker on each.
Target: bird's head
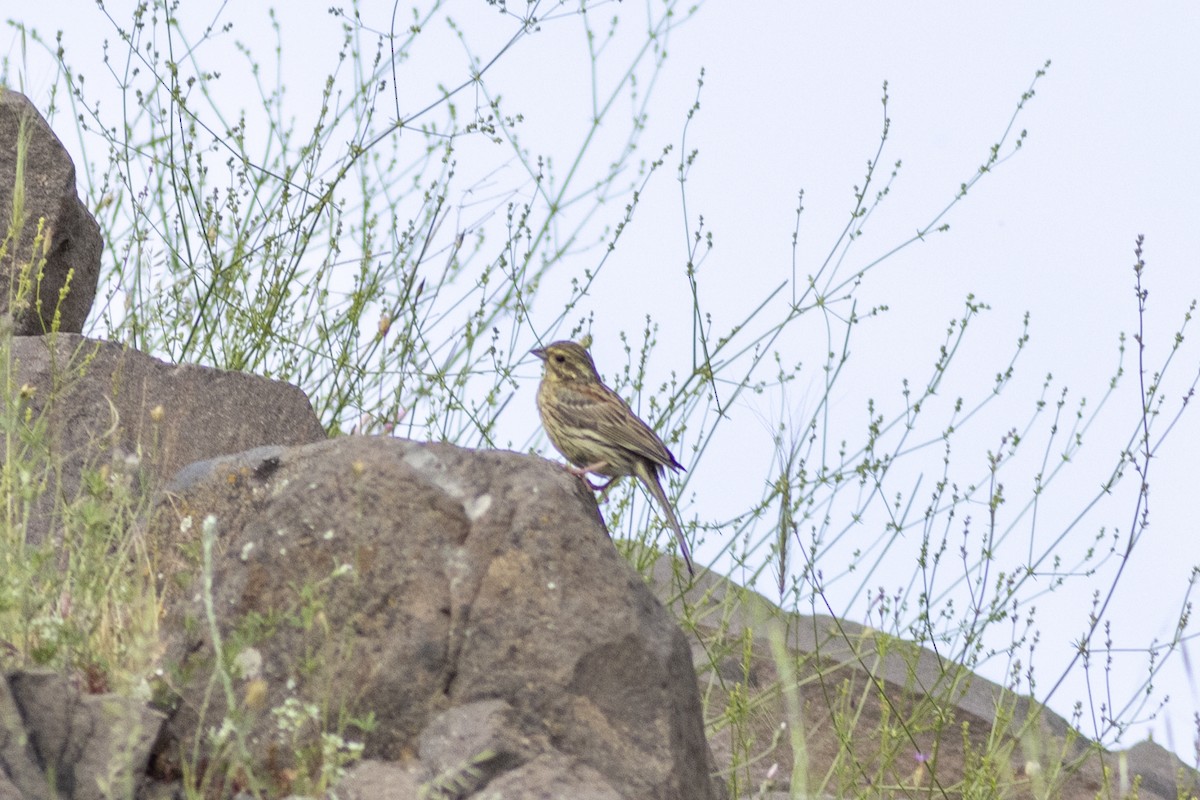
(567, 362)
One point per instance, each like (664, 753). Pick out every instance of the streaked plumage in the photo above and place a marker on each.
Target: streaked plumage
(597, 431)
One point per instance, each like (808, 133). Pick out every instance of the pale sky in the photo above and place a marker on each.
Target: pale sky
(791, 102)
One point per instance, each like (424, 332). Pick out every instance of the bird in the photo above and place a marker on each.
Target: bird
(598, 432)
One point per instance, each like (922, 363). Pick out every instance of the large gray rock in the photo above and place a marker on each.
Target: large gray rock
(472, 602)
(87, 406)
(71, 242)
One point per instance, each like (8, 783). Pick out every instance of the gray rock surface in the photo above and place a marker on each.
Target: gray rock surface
(97, 405)
(471, 601)
(551, 776)
(20, 773)
(478, 741)
(78, 746)
(381, 780)
(71, 238)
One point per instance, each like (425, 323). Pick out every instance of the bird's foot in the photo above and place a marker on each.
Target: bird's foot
(583, 472)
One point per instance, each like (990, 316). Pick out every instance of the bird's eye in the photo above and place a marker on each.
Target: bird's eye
(560, 359)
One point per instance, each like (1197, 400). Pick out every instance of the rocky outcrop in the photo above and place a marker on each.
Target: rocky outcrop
(85, 405)
(58, 242)
(471, 603)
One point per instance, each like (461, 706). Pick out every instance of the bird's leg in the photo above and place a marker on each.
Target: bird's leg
(582, 474)
(604, 487)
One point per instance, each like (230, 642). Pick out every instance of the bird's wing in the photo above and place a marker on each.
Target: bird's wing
(615, 422)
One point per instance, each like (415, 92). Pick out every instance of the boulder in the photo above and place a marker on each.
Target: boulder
(466, 609)
(85, 406)
(40, 177)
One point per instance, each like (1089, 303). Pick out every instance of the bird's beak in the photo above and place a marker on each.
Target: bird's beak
(540, 353)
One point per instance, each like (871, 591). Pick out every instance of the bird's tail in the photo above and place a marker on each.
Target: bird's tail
(648, 475)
